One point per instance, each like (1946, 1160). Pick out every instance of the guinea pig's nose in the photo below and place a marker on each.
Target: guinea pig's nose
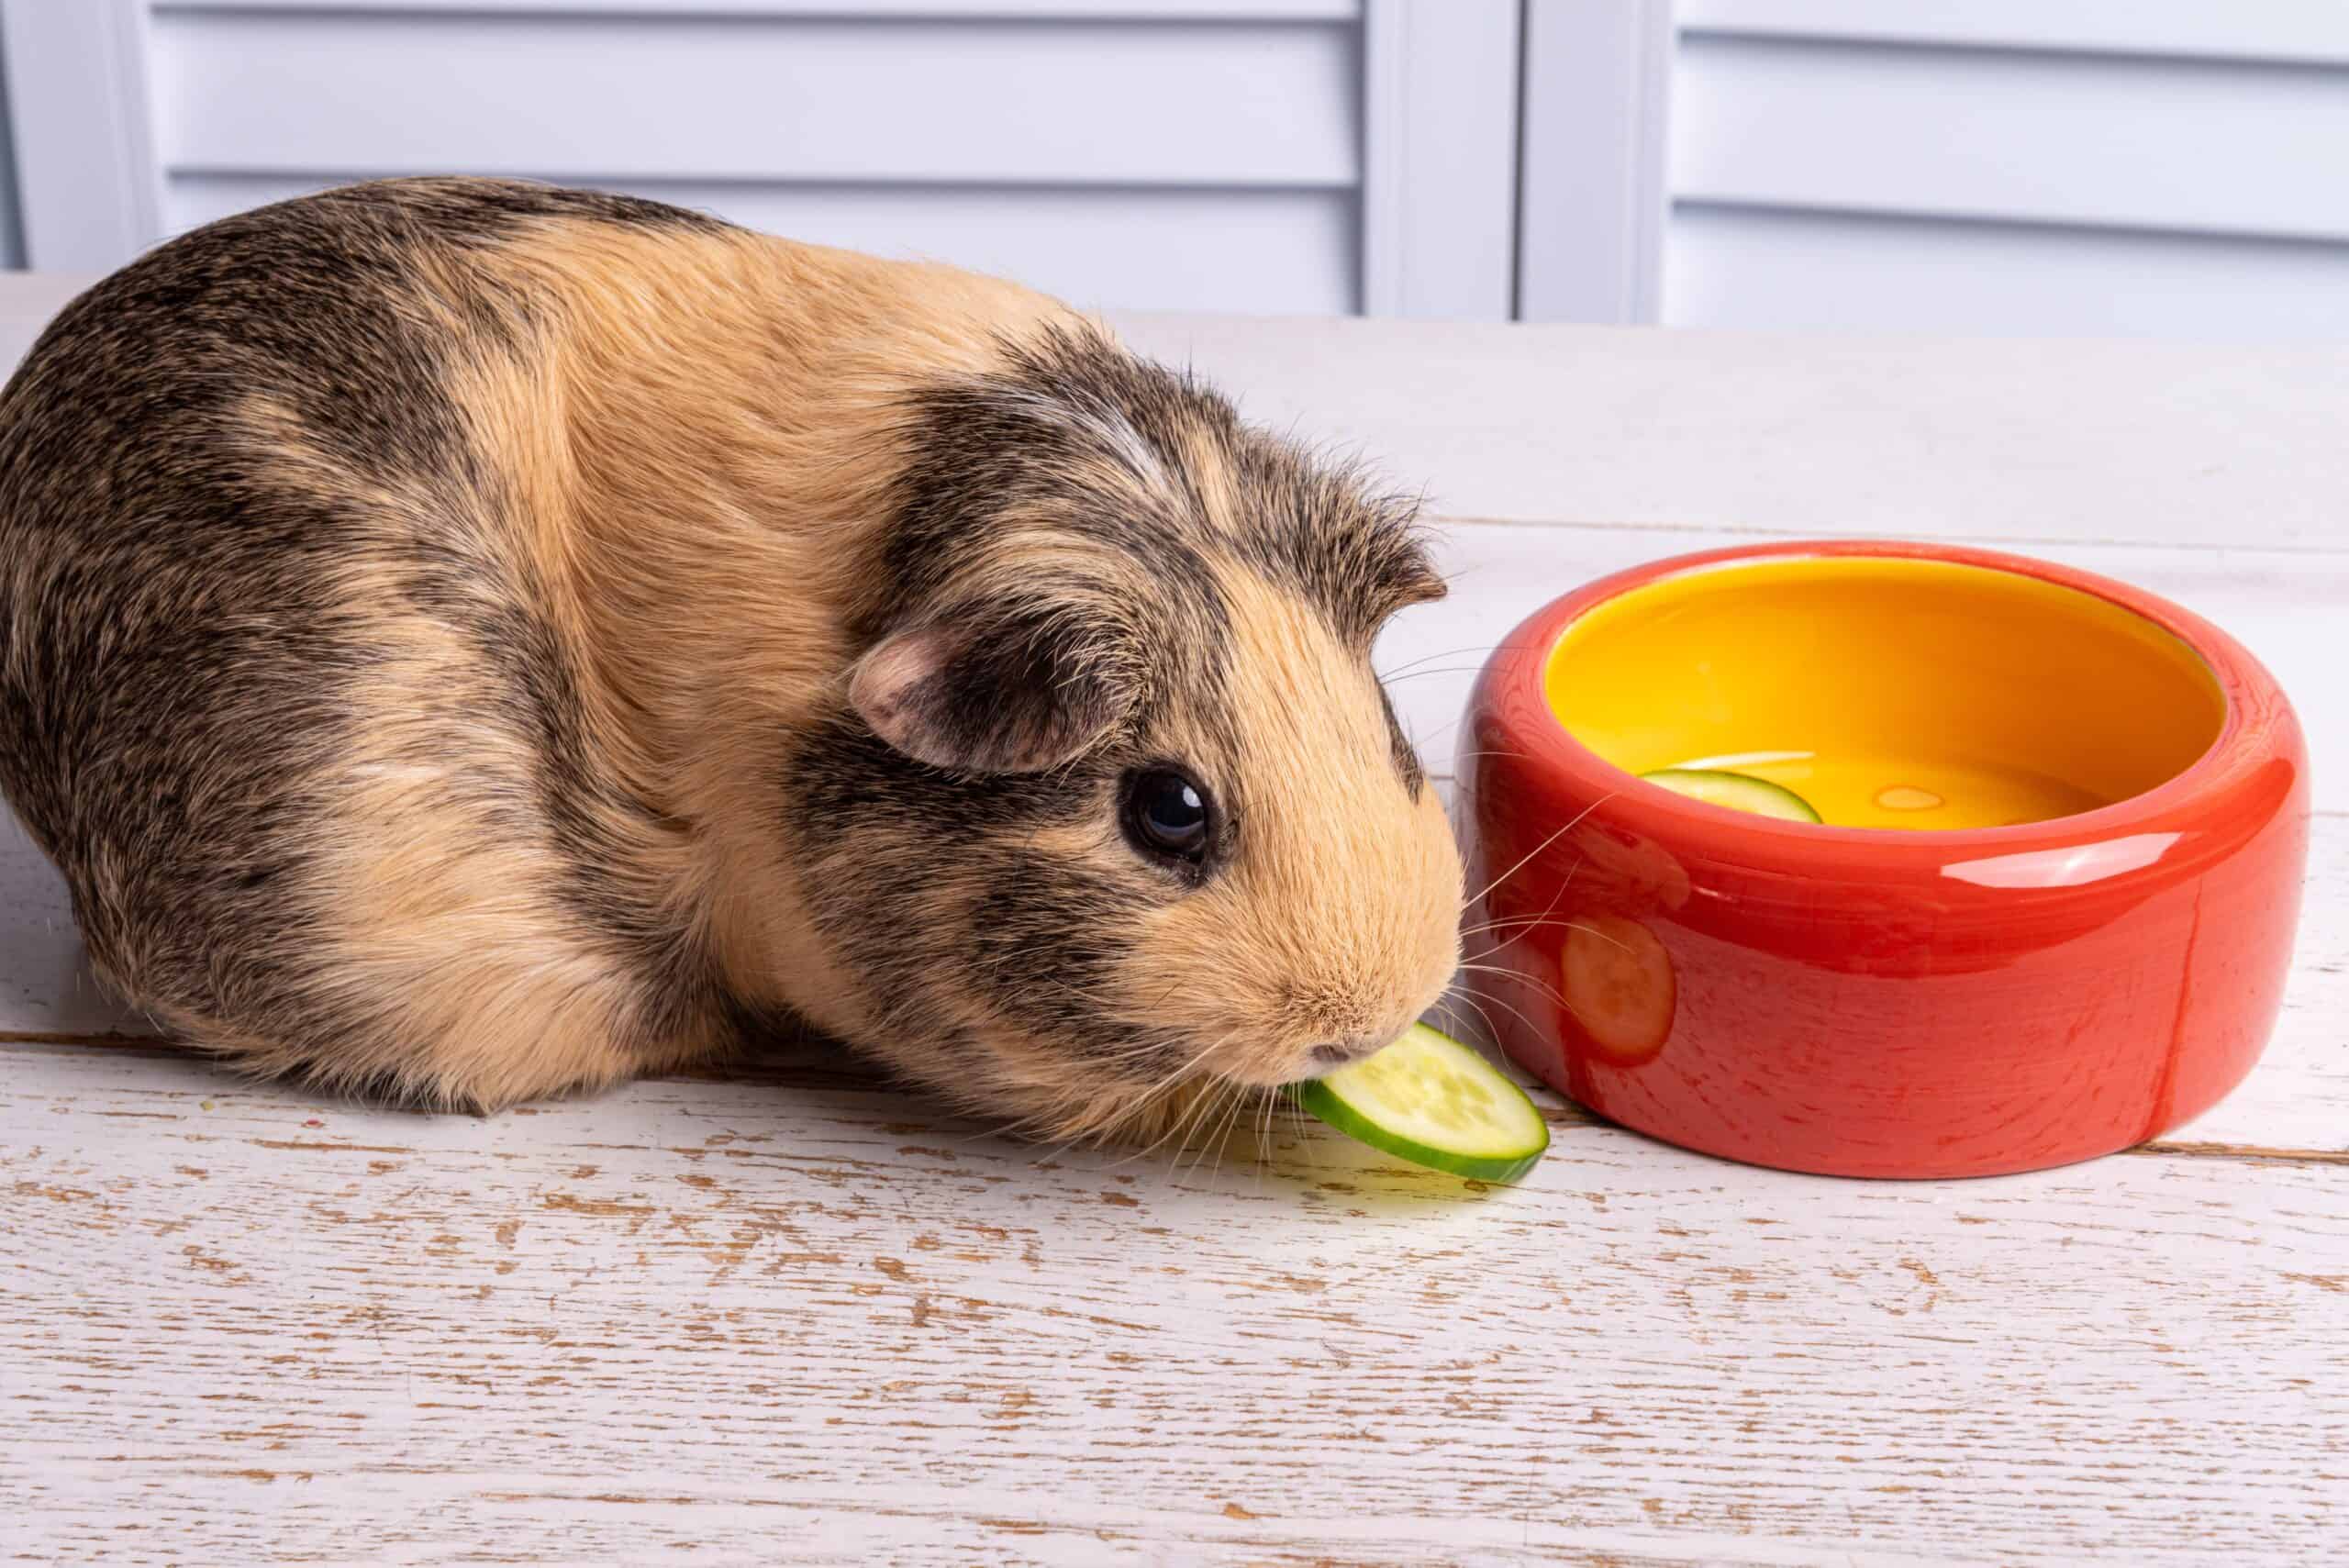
(1339, 1052)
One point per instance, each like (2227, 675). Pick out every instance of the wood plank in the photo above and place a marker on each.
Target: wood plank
(2284, 30)
(800, 1322)
(615, 97)
(2284, 606)
(2051, 137)
(27, 302)
(2296, 1100)
(46, 987)
(2029, 441)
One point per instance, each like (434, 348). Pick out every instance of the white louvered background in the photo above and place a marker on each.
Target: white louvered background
(1069, 145)
(2159, 167)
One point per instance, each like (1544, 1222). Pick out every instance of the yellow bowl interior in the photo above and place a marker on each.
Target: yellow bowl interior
(1888, 693)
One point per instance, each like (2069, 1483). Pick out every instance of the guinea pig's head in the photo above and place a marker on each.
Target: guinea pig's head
(1114, 812)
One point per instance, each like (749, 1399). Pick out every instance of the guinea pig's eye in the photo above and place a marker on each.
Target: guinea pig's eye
(1167, 814)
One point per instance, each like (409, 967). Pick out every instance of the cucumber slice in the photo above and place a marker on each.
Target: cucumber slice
(1620, 987)
(1738, 791)
(1429, 1099)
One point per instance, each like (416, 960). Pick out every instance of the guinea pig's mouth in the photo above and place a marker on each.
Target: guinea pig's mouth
(1295, 1064)
(1156, 1087)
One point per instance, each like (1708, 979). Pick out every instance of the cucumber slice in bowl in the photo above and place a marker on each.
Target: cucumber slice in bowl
(1738, 791)
(1431, 1100)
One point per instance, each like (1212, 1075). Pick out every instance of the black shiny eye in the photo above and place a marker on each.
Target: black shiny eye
(1168, 815)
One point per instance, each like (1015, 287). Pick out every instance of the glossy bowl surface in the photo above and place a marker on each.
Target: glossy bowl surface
(2050, 913)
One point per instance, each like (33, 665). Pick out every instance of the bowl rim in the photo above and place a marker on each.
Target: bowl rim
(1520, 665)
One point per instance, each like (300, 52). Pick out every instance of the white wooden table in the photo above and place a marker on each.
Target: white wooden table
(806, 1318)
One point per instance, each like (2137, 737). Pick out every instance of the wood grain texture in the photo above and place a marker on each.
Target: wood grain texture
(2031, 442)
(2297, 1099)
(801, 1320)
(798, 1315)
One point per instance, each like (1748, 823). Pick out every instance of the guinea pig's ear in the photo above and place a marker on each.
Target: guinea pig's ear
(1416, 583)
(997, 689)
(1391, 564)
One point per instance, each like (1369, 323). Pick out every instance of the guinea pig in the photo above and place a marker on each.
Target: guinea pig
(465, 641)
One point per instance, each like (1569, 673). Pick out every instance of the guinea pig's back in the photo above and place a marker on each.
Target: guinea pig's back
(283, 688)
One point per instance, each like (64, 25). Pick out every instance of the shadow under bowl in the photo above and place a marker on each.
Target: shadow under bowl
(2049, 912)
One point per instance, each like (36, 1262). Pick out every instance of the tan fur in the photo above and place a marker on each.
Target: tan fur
(690, 440)
(701, 389)
(1303, 946)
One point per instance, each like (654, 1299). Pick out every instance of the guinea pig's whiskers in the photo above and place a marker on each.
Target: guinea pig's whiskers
(1099, 1127)
(1096, 1126)
(1519, 1013)
(1240, 1099)
(1179, 1133)
(1210, 1138)
(1213, 1104)
(1170, 989)
(1529, 856)
(1408, 665)
(1255, 1106)
(1267, 1111)
(1438, 670)
(1492, 1029)
(1518, 925)
(1481, 650)
(1543, 987)
(1548, 914)
(1215, 1131)
(1419, 742)
(1149, 1098)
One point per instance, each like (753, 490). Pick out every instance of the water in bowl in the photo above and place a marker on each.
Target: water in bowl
(1880, 790)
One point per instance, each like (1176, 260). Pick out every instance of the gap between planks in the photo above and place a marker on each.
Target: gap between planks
(2020, 544)
(1559, 1113)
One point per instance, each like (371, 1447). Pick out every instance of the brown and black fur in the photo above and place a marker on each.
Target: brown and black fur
(469, 639)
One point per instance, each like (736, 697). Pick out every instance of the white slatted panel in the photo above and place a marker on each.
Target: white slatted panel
(1284, 251)
(994, 10)
(2195, 146)
(2072, 166)
(590, 96)
(1440, 181)
(1203, 154)
(1794, 270)
(2301, 30)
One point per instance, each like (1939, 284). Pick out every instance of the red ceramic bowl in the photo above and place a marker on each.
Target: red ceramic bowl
(2049, 914)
